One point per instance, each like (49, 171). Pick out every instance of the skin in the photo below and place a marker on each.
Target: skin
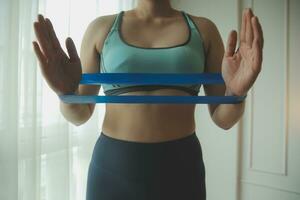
(151, 18)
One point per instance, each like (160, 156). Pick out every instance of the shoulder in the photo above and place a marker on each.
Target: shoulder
(103, 21)
(207, 28)
(206, 25)
(98, 29)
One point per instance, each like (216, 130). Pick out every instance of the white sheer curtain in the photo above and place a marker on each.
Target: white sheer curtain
(42, 156)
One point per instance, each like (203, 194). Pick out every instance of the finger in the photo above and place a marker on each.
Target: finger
(249, 30)
(72, 50)
(42, 40)
(231, 44)
(260, 33)
(53, 37)
(257, 37)
(257, 45)
(257, 61)
(42, 59)
(43, 26)
(243, 27)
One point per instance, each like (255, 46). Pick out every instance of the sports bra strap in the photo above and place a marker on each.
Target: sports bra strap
(115, 25)
(189, 20)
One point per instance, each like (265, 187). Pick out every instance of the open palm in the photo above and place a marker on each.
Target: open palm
(61, 72)
(241, 68)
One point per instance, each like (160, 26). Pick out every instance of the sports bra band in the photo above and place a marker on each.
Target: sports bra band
(203, 78)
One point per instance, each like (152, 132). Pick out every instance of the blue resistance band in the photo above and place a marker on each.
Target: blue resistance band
(148, 79)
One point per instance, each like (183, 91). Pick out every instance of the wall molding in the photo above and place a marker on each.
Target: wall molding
(244, 181)
(283, 171)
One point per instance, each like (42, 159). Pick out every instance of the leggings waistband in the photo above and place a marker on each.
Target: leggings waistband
(142, 159)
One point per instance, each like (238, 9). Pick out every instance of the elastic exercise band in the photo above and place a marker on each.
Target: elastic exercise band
(152, 78)
(153, 99)
(148, 78)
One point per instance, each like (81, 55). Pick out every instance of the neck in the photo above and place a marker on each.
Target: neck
(154, 8)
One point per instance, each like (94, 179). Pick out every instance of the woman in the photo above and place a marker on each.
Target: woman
(150, 151)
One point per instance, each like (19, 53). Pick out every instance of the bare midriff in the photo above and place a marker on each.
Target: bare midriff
(149, 122)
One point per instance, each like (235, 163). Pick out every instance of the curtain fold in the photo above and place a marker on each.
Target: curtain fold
(43, 156)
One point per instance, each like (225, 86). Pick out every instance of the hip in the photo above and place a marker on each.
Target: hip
(122, 169)
(144, 160)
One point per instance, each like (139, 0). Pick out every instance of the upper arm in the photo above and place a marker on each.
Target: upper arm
(214, 56)
(91, 47)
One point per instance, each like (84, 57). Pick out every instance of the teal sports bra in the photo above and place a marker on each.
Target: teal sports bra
(118, 56)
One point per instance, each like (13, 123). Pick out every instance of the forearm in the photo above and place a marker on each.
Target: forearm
(77, 114)
(227, 115)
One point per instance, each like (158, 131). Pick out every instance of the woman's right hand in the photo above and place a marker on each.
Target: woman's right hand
(61, 72)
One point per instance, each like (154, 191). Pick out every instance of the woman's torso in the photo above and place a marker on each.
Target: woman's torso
(151, 122)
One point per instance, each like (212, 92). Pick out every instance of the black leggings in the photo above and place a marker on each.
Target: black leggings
(128, 170)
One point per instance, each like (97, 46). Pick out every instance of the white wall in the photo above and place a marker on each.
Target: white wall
(258, 158)
(271, 132)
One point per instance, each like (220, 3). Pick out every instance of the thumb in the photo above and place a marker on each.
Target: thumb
(231, 44)
(72, 50)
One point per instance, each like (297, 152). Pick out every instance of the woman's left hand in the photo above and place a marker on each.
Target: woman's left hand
(241, 68)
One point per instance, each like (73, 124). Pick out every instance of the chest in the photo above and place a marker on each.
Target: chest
(155, 47)
(154, 35)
